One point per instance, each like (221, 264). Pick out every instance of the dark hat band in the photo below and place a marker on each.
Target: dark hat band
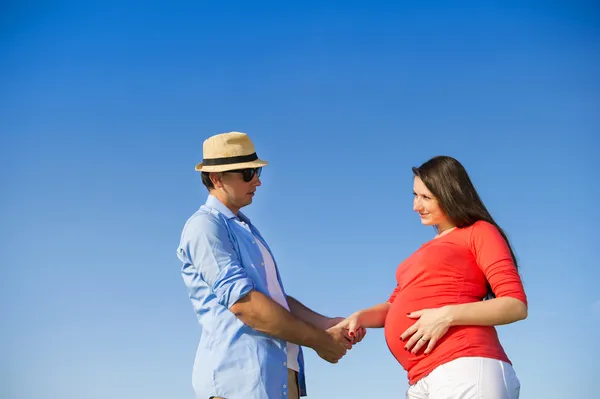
(230, 160)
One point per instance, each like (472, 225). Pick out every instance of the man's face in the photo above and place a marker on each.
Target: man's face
(239, 186)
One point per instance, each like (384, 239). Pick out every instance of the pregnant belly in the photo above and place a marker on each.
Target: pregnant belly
(397, 322)
(458, 341)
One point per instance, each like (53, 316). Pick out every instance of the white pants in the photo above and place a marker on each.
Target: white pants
(468, 378)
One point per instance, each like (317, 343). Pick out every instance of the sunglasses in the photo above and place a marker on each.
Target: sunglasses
(247, 174)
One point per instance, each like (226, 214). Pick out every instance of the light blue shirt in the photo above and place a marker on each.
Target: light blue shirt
(222, 262)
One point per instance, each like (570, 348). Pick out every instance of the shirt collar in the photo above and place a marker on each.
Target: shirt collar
(213, 202)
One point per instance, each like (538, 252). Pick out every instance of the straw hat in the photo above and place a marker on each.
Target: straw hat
(228, 151)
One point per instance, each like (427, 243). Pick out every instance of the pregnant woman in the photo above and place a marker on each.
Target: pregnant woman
(451, 292)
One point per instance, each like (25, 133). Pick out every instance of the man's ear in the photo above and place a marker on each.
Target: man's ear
(217, 179)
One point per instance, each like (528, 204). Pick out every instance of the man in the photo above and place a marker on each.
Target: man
(251, 331)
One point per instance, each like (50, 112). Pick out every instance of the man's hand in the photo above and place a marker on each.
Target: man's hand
(340, 334)
(334, 347)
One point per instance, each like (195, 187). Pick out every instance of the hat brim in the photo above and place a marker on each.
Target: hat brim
(259, 163)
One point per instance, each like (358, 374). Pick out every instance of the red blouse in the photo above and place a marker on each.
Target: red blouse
(452, 269)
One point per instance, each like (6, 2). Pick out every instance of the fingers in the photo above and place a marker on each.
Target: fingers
(425, 333)
(417, 314)
(345, 339)
(409, 331)
(419, 344)
(340, 351)
(346, 334)
(335, 347)
(347, 344)
(431, 345)
(352, 326)
(342, 336)
(357, 336)
(352, 329)
(412, 341)
(360, 334)
(341, 339)
(353, 337)
(420, 340)
(332, 354)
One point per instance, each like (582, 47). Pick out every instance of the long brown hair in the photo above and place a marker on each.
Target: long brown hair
(449, 182)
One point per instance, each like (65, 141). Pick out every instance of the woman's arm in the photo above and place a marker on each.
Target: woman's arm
(373, 317)
(493, 257)
(432, 324)
(493, 312)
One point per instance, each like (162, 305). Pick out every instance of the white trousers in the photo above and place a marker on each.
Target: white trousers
(468, 378)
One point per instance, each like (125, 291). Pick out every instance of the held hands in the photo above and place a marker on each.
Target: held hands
(341, 339)
(334, 345)
(430, 327)
(355, 331)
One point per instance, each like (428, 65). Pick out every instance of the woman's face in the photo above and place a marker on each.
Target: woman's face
(427, 206)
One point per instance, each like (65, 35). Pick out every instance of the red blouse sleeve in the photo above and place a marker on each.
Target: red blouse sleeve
(493, 257)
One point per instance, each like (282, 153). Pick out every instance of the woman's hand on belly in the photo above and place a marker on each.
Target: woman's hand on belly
(431, 326)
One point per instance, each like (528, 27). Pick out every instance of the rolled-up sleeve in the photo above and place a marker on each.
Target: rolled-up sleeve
(494, 258)
(207, 246)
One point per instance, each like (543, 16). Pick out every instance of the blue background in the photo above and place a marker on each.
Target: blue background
(103, 111)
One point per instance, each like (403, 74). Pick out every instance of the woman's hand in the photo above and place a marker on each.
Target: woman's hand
(353, 326)
(430, 327)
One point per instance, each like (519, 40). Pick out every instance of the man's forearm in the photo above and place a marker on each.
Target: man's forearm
(306, 314)
(265, 315)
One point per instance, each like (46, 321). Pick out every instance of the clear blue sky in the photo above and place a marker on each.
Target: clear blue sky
(103, 111)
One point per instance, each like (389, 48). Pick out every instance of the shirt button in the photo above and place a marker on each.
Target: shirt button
(284, 386)
(262, 263)
(285, 363)
(253, 242)
(285, 393)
